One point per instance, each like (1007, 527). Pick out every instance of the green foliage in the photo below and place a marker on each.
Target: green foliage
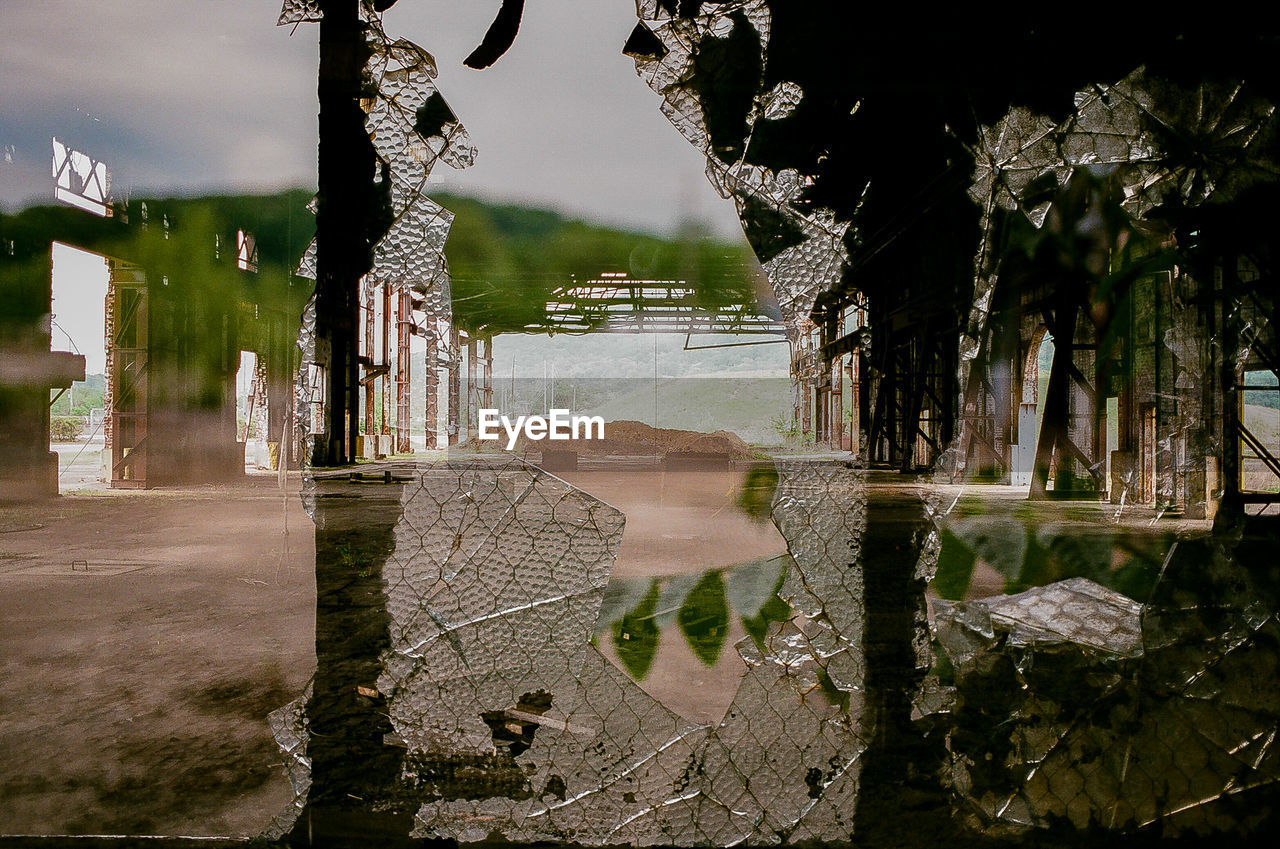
(955, 568)
(704, 618)
(357, 561)
(1029, 553)
(505, 260)
(65, 428)
(785, 425)
(1266, 396)
(756, 497)
(83, 396)
(635, 636)
(773, 610)
(701, 604)
(192, 259)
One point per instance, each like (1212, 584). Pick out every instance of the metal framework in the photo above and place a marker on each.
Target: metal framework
(613, 303)
(127, 370)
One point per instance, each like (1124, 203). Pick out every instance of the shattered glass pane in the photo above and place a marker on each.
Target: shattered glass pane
(1013, 575)
(300, 11)
(1101, 727)
(813, 256)
(490, 664)
(1136, 736)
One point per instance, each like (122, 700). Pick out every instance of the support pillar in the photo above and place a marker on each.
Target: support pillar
(455, 355)
(433, 390)
(806, 408)
(1053, 429)
(346, 221)
(404, 330)
(388, 380)
(473, 384)
(1229, 334)
(837, 404)
(862, 398)
(370, 391)
(1005, 372)
(486, 384)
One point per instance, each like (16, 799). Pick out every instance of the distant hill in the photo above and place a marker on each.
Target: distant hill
(505, 259)
(83, 396)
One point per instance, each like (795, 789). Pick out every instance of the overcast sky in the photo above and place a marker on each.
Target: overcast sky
(183, 96)
(186, 96)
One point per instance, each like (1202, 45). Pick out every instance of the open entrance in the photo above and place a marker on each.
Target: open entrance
(700, 561)
(77, 430)
(251, 412)
(1260, 433)
(1035, 383)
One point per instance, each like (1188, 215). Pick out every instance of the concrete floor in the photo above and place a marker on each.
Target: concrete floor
(148, 634)
(80, 465)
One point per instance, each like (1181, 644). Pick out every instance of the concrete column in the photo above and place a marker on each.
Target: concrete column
(433, 391)
(455, 355)
(370, 394)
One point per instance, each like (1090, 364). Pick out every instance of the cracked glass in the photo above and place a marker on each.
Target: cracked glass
(987, 554)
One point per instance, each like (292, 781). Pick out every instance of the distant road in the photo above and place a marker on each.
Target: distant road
(79, 464)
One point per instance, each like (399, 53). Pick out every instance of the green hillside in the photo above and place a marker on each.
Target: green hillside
(506, 259)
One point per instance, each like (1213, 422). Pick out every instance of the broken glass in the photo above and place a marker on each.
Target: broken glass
(1121, 714)
(494, 583)
(808, 254)
(412, 128)
(1107, 721)
(498, 682)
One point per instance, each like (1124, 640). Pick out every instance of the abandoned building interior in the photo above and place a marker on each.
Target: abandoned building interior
(1008, 574)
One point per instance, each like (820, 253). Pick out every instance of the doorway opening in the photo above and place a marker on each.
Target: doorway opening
(77, 425)
(1035, 382)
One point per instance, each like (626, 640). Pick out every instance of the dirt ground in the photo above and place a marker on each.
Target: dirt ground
(679, 523)
(146, 636)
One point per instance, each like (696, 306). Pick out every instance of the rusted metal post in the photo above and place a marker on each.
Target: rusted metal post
(837, 404)
(388, 380)
(404, 330)
(370, 395)
(806, 407)
(473, 383)
(486, 386)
